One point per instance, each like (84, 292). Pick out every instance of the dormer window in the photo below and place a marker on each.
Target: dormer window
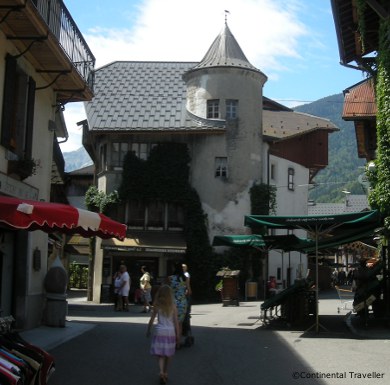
(213, 109)
(231, 109)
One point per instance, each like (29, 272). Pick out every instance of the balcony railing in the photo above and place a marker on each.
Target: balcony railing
(61, 24)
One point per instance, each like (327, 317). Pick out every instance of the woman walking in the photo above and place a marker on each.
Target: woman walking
(181, 288)
(166, 331)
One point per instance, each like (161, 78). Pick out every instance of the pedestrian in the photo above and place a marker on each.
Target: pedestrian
(125, 287)
(186, 326)
(181, 288)
(166, 332)
(117, 289)
(146, 287)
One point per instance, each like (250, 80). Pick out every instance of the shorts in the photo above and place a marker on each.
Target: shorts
(147, 295)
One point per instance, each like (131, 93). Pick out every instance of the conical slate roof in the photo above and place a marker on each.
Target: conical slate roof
(225, 51)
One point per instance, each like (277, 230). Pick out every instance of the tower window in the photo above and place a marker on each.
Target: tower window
(221, 167)
(231, 109)
(213, 109)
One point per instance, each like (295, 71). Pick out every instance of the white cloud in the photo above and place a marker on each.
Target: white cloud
(181, 30)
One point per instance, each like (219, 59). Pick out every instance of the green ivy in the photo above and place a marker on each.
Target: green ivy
(361, 6)
(263, 199)
(164, 177)
(99, 201)
(379, 196)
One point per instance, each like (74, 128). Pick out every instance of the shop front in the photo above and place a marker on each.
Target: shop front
(158, 251)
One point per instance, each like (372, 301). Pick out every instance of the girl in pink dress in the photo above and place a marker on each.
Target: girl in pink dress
(166, 331)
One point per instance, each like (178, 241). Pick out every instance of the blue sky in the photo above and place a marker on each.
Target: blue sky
(292, 41)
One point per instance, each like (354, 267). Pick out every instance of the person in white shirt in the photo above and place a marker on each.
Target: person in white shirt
(124, 287)
(146, 288)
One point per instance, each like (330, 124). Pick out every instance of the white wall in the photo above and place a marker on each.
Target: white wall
(42, 150)
(289, 203)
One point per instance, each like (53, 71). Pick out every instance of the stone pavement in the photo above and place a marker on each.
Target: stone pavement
(99, 346)
(50, 337)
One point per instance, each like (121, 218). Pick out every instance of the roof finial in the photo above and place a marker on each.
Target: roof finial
(226, 13)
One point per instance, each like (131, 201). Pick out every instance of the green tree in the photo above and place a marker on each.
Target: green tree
(96, 201)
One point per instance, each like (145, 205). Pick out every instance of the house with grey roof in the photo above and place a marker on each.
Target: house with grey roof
(235, 137)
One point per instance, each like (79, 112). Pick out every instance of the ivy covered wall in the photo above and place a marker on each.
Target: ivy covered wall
(379, 177)
(164, 176)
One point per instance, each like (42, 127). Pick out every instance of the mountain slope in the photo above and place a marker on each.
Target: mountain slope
(76, 159)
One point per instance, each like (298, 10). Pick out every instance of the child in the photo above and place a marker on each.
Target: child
(166, 331)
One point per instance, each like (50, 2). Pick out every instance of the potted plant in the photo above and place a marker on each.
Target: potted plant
(24, 167)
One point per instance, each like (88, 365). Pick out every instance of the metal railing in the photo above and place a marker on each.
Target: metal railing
(61, 24)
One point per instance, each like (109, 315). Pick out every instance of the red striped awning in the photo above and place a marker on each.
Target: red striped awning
(22, 214)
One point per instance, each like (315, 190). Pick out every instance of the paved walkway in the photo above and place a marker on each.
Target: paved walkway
(247, 316)
(99, 346)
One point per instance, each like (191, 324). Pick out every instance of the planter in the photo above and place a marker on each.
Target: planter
(23, 168)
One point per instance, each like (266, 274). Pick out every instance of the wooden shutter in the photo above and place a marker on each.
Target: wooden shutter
(30, 118)
(9, 100)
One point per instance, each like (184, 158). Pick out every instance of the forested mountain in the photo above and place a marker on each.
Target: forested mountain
(344, 165)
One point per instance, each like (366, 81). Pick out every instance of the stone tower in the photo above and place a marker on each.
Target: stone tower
(226, 90)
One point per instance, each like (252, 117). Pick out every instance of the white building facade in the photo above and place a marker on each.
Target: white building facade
(214, 107)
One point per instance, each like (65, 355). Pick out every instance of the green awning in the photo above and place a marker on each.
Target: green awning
(251, 240)
(265, 242)
(342, 238)
(313, 223)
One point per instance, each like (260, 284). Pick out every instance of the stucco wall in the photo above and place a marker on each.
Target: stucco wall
(226, 200)
(29, 304)
(289, 203)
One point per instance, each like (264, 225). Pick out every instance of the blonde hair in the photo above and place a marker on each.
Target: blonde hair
(164, 300)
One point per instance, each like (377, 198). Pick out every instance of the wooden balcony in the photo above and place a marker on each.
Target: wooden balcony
(44, 33)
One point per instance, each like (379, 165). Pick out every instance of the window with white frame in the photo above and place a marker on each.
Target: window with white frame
(290, 181)
(231, 109)
(118, 153)
(136, 214)
(175, 218)
(155, 215)
(142, 150)
(213, 109)
(155, 218)
(221, 170)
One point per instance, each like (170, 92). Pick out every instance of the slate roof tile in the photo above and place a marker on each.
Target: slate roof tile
(140, 95)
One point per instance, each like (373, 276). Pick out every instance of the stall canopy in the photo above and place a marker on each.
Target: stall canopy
(21, 214)
(264, 242)
(317, 224)
(251, 240)
(325, 230)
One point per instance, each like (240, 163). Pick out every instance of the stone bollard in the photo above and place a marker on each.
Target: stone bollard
(56, 305)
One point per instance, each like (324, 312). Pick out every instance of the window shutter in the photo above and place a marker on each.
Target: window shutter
(9, 98)
(30, 118)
